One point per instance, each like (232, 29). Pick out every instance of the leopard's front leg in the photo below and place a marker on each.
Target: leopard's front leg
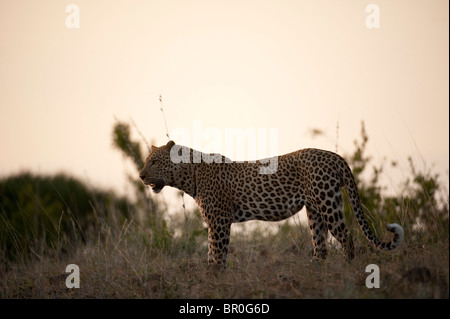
(218, 241)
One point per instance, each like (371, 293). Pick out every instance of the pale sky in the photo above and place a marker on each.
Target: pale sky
(286, 65)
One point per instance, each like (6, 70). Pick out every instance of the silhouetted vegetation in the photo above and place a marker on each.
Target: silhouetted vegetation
(421, 207)
(53, 211)
(153, 215)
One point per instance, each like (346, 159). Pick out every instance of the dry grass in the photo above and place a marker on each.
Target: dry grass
(124, 265)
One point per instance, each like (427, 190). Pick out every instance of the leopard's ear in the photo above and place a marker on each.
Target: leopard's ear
(170, 144)
(154, 148)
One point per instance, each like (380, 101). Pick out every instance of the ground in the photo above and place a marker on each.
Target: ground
(259, 266)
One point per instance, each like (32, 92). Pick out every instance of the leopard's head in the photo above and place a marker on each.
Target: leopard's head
(159, 169)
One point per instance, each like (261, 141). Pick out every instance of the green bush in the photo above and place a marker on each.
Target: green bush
(51, 210)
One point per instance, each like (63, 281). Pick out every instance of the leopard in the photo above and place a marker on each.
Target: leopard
(228, 192)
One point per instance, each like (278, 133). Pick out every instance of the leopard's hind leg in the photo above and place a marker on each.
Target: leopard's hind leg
(318, 230)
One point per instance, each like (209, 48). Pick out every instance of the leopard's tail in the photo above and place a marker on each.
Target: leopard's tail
(349, 181)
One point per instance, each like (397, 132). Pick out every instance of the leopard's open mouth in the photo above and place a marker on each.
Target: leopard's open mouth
(156, 184)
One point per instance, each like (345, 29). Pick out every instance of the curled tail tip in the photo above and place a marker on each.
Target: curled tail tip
(398, 233)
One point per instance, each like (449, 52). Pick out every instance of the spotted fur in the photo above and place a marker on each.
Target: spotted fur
(232, 192)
